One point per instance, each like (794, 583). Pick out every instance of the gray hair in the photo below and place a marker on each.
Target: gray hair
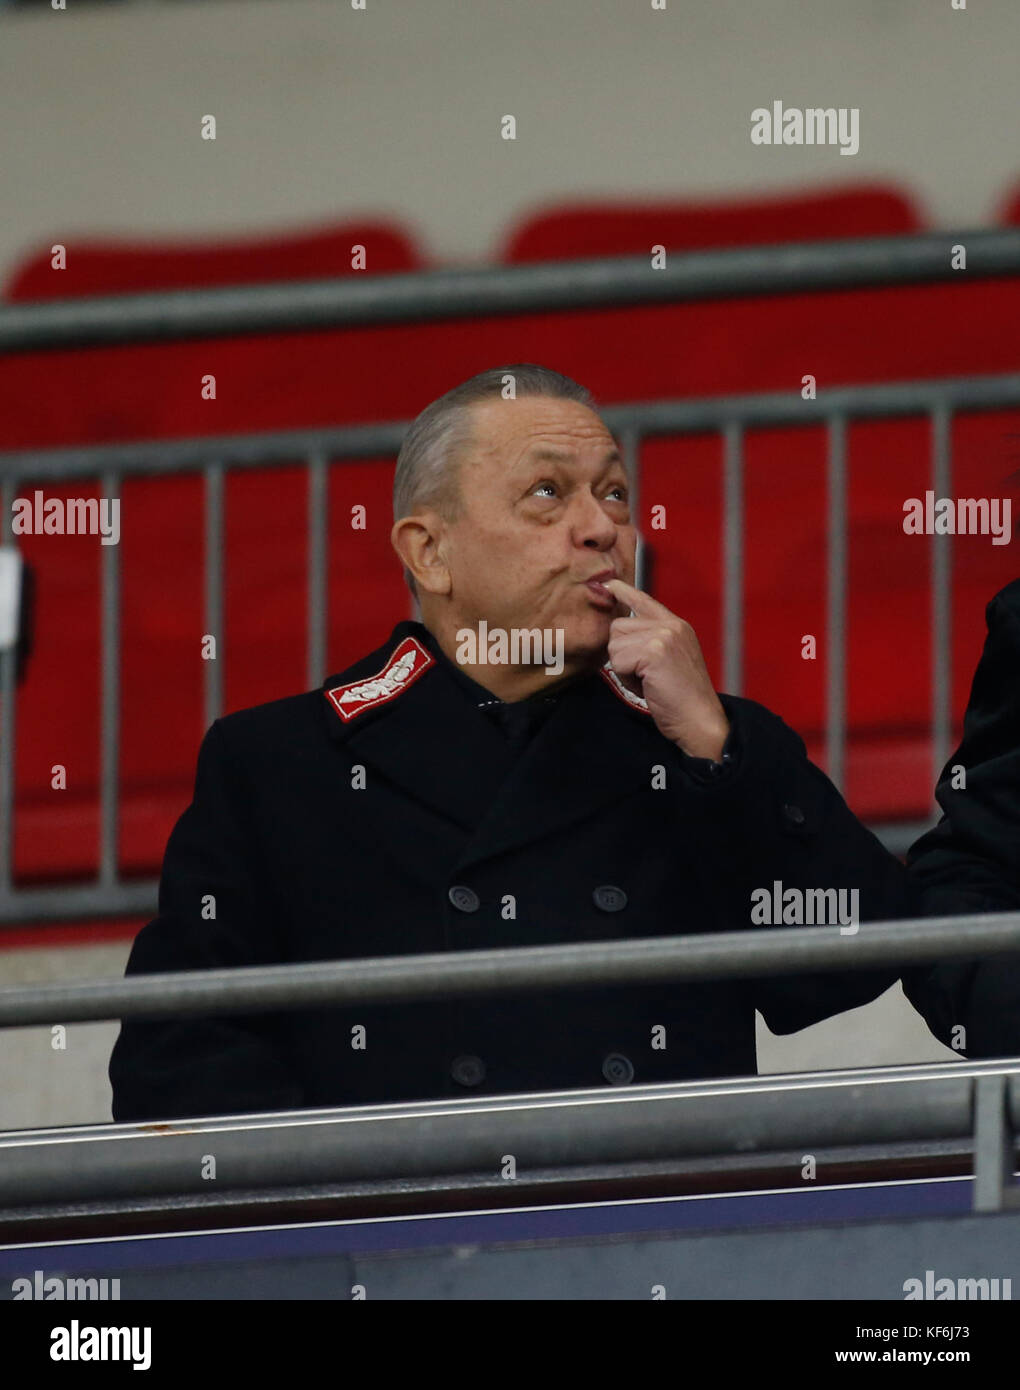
(426, 465)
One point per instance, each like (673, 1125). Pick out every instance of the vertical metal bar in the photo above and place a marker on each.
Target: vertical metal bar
(214, 589)
(109, 676)
(993, 1144)
(8, 684)
(941, 596)
(318, 584)
(733, 558)
(630, 448)
(836, 592)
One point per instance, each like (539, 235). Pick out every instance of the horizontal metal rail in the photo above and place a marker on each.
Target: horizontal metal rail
(648, 419)
(804, 1112)
(435, 295)
(464, 974)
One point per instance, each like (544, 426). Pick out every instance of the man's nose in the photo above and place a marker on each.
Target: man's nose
(591, 524)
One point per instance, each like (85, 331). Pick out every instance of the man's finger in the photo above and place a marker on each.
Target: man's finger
(643, 604)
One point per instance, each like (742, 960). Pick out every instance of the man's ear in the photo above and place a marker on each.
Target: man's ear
(418, 542)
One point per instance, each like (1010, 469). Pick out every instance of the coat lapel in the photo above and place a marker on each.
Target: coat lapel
(436, 746)
(428, 740)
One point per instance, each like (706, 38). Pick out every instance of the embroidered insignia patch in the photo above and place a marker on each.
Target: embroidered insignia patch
(406, 664)
(617, 686)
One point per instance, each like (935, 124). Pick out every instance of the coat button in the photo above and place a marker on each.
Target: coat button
(464, 899)
(618, 1069)
(468, 1071)
(793, 814)
(610, 898)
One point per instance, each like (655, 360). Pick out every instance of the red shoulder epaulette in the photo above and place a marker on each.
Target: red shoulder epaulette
(407, 662)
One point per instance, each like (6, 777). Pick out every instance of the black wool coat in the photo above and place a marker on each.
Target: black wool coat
(970, 861)
(453, 842)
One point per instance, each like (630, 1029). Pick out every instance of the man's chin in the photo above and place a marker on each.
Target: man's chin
(586, 643)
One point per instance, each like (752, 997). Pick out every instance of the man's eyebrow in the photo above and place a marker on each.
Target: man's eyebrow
(550, 455)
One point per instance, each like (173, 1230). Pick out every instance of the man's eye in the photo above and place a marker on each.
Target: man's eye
(551, 486)
(621, 490)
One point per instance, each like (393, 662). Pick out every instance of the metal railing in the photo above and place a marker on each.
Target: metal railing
(436, 295)
(433, 295)
(463, 974)
(376, 1151)
(556, 1137)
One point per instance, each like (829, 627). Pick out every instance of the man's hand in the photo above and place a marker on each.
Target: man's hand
(661, 652)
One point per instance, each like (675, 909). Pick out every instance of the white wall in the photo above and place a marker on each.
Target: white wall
(41, 1085)
(323, 111)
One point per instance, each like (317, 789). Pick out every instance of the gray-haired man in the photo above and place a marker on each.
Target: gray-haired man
(421, 803)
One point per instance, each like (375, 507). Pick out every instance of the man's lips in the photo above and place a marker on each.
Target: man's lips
(602, 596)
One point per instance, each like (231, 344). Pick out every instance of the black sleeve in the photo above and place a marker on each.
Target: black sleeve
(781, 819)
(169, 1068)
(707, 770)
(970, 861)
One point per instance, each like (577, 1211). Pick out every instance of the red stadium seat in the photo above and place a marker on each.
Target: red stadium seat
(1010, 216)
(129, 267)
(621, 228)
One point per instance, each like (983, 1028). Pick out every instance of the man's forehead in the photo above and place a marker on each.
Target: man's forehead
(546, 453)
(542, 429)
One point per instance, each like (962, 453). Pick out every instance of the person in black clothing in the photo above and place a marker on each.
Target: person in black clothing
(421, 802)
(970, 861)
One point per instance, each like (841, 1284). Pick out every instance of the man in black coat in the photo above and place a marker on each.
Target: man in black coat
(447, 792)
(970, 861)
